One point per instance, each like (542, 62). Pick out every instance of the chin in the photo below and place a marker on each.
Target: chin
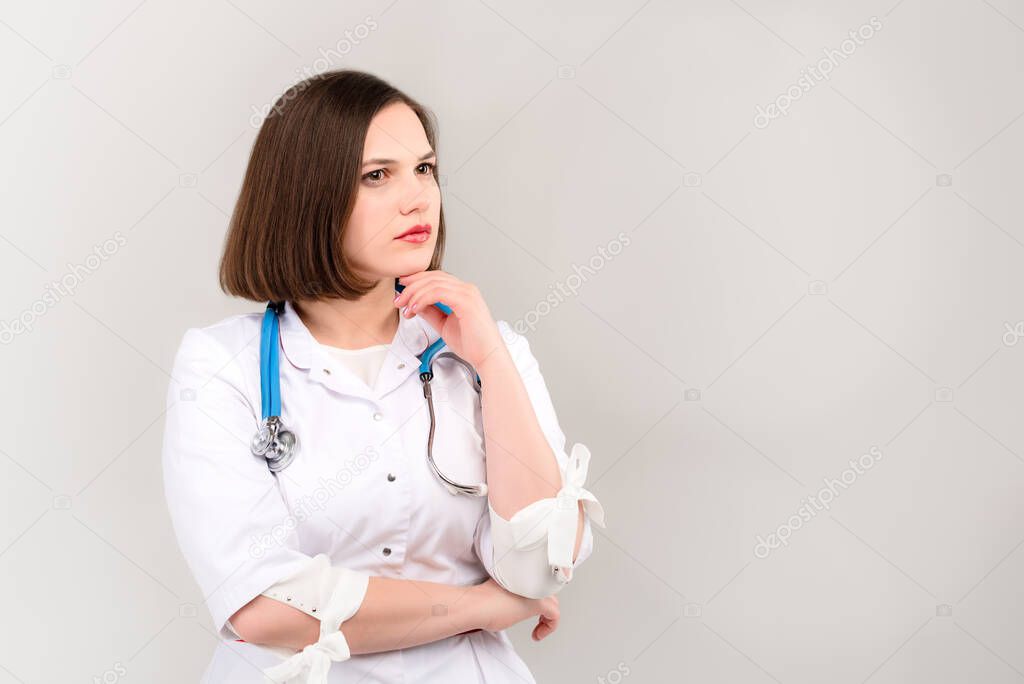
(408, 263)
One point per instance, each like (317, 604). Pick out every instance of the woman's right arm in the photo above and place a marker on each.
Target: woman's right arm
(227, 510)
(399, 613)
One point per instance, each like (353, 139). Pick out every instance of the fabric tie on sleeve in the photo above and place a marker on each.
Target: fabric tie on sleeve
(557, 516)
(345, 599)
(316, 658)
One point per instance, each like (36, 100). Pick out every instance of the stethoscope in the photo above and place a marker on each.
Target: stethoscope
(278, 445)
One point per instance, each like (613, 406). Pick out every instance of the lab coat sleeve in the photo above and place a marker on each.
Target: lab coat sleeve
(531, 553)
(226, 508)
(329, 593)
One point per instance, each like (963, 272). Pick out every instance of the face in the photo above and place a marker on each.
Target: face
(397, 192)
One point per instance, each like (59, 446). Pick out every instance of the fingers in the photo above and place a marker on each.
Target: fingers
(434, 316)
(549, 619)
(549, 609)
(427, 287)
(418, 280)
(545, 626)
(428, 283)
(429, 293)
(409, 284)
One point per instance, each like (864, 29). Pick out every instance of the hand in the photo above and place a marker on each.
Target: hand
(469, 331)
(500, 609)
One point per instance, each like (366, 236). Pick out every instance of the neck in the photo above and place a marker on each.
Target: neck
(353, 324)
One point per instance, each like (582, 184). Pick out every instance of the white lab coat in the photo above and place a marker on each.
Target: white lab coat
(360, 489)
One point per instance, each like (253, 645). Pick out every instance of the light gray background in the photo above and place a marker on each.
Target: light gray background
(847, 276)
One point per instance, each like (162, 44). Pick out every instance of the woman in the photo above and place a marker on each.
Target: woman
(356, 562)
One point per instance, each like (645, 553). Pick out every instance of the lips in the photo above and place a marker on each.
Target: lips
(423, 228)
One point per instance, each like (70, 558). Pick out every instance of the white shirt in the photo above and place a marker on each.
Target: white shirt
(360, 489)
(364, 363)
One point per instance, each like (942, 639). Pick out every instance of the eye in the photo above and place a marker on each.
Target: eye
(377, 176)
(374, 177)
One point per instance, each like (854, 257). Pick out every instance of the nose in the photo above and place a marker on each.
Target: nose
(415, 195)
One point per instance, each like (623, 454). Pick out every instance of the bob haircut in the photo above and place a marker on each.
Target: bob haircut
(285, 235)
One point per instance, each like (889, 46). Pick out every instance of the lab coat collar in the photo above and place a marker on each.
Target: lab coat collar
(303, 351)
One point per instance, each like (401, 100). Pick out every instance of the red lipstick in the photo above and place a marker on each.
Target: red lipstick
(416, 234)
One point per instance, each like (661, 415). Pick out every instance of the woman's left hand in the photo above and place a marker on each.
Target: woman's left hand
(469, 331)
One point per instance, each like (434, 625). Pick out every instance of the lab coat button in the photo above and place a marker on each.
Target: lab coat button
(391, 477)
(387, 551)
(401, 366)
(378, 415)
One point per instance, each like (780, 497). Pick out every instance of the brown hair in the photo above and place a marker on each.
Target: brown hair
(285, 235)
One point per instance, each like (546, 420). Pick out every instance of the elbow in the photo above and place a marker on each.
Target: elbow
(528, 574)
(269, 622)
(248, 624)
(522, 563)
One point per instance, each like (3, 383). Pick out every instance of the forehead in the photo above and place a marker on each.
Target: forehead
(396, 133)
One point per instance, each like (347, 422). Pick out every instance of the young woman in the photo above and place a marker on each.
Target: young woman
(350, 555)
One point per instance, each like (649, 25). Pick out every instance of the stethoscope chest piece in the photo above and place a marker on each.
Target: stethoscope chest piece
(272, 441)
(279, 445)
(275, 444)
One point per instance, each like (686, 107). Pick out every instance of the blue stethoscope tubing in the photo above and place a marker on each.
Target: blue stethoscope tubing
(270, 381)
(278, 445)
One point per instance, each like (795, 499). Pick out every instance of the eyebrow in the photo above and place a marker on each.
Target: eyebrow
(428, 155)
